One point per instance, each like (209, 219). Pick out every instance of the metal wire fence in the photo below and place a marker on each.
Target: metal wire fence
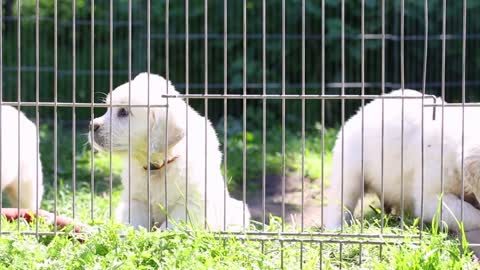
(273, 68)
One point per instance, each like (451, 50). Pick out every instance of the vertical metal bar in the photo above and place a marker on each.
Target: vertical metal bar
(320, 260)
(283, 115)
(283, 128)
(303, 115)
(19, 97)
(464, 67)
(187, 64)
(264, 108)
(149, 212)
(55, 114)
(167, 5)
(342, 111)
(382, 162)
(92, 96)
(244, 192)
(225, 109)
(382, 154)
(37, 116)
(303, 131)
(74, 100)
(442, 132)
(129, 108)
(323, 108)
(264, 114)
(362, 90)
(402, 83)
(206, 100)
(301, 255)
(323, 123)
(425, 60)
(110, 87)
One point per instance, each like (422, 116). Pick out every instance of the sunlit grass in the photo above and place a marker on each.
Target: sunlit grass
(108, 245)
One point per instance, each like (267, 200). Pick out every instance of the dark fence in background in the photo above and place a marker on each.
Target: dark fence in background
(94, 77)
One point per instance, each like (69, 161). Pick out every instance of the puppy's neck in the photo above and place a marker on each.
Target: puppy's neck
(158, 166)
(156, 158)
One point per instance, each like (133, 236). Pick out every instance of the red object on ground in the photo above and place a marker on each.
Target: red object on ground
(61, 221)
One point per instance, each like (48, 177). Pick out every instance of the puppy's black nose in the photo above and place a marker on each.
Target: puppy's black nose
(94, 127)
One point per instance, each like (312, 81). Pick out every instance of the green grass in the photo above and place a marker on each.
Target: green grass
(181, 248)
(115, 246)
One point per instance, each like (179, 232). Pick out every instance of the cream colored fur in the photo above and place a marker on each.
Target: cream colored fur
(351, 174)
(194, 182)
(20, 150)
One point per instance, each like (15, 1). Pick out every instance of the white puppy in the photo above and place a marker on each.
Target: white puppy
(194, 183)
(350, 170)
(20, 150)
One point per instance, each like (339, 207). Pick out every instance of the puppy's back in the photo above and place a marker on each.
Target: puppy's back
(21, 167)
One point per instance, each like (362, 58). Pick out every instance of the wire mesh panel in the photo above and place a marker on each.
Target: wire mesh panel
(271, 123)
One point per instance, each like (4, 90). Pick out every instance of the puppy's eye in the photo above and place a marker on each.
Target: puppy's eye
(122, 112)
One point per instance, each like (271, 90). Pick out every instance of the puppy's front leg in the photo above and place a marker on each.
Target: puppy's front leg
(138, 213)
(177, 214)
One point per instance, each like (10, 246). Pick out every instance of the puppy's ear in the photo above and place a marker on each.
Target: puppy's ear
(174, 131)
(175, 135)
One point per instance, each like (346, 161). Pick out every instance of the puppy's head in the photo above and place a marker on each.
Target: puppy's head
(123, 125)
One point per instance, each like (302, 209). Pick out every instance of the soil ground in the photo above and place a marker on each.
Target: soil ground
(274, 200)
(312, 200)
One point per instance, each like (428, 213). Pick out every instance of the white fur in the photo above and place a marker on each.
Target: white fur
(412, 160)
(187, 175)
(20, 150)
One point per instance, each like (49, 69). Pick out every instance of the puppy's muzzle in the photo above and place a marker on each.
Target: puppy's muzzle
(94, 127)
(98, 140)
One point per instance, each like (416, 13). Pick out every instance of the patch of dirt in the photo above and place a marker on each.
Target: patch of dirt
(274, 199)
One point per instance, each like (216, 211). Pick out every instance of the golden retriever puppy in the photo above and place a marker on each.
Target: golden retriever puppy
(21, 165)
(188, 185)
(455, 158)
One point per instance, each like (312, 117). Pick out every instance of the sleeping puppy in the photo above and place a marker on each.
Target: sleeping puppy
(20, 150)
(420, 185)
(194, 188)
